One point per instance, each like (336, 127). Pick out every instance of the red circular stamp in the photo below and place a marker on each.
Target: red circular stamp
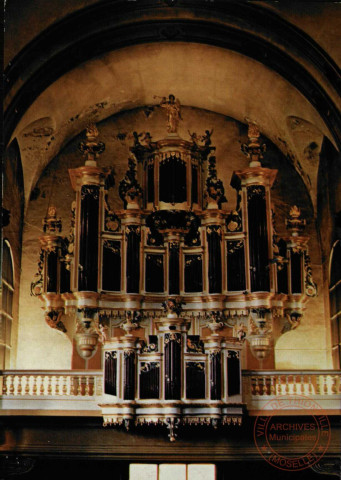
(292, 442)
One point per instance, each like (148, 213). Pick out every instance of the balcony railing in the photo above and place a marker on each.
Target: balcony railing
(51, 383)
(323, 387)
(72, 392)
(77, 392)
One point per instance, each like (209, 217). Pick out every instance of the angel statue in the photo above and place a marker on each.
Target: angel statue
(172, 105)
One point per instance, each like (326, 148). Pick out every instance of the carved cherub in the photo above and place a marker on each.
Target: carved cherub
(147, 139)
(103, 333)
(241, 333)
(53, 320)
(293, 321)
(194, 137)
(206, 138)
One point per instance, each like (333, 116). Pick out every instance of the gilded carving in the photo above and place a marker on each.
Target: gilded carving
(152, 346)
(173, 109)
(38, 283)
(253, 150)
(110, 355)
(255, 190)
(91, 148)
(293, 320)
(53, 320)
(234, 221)
(111, 245)
(148, 366)
(111, 221)
(234, 245)
(216, 322)
(173, 306)
(129, 188)
(132, 322)
(51, 223)
(172, 337)
(295, 223)
(194, 344)
(90, 190)
(133, 229)
(309, 284)
(215, 192)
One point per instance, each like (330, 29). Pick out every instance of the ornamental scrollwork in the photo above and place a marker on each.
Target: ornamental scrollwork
(112, 246)
(91, 191)
(172, 337)
(234, 221)
(255, 190)
(136, 229)
(213, 229)
(111, 221)
(215, 354)
(194, 344)
(233, 354)
(234, 245)
(194, 258)
(148, 366)
(196, 365)
(152, 345)
(111, 355)
(309, 284)
(38, 283)
(129, 353)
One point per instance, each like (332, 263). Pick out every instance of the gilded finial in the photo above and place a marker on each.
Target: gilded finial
(253, 132)
(295, 212)
(91, 132)
(294, 223)
(91, 147)
(51, 223)
(253, 150)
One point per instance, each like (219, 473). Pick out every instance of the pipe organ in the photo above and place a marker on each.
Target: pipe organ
(172, 283)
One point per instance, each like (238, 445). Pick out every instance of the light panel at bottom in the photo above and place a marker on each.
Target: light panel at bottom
(171, 471)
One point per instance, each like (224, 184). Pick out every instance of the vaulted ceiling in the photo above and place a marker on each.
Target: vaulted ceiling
(255, 61)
